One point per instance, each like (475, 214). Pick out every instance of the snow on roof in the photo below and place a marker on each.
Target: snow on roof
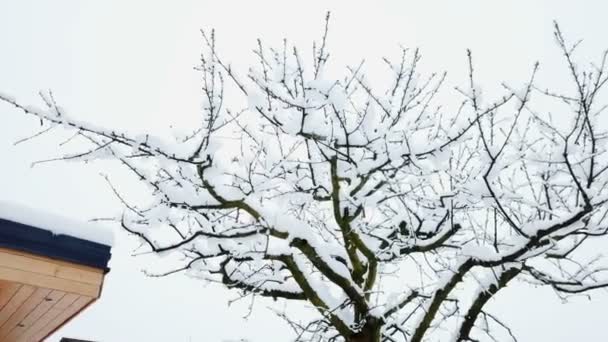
(56, 224)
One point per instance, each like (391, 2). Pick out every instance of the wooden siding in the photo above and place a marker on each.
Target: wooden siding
(38, 295)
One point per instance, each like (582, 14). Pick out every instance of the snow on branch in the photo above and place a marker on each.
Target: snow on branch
(335, 184)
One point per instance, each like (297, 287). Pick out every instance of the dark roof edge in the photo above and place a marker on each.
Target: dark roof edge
(42, 242)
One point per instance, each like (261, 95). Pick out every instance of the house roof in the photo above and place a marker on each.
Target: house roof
(43, 234)
(50, 270)
(54, 223)
(21, 237)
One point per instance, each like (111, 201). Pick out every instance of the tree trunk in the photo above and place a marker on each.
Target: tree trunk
(369, 333)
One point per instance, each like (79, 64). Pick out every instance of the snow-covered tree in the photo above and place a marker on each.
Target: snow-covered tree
(396, 218)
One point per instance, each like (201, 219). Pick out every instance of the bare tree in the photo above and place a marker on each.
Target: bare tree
(398, 219)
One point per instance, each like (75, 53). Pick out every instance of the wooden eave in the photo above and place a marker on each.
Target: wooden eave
(42, 283)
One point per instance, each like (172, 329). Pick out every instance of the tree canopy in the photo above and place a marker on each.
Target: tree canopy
(395, 216)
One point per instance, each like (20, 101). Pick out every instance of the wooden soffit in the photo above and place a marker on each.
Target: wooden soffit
(39, 294)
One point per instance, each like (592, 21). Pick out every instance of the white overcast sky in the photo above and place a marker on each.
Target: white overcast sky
(128, 64)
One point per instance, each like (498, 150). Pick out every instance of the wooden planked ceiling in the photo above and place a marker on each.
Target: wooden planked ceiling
(38, 295)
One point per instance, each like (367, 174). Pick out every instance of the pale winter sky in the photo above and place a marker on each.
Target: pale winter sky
(129, 65)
